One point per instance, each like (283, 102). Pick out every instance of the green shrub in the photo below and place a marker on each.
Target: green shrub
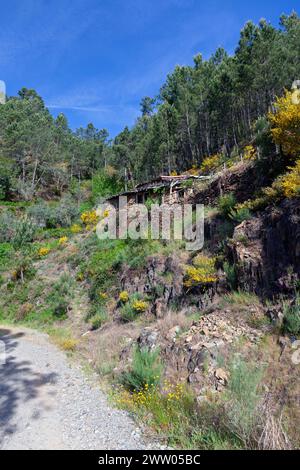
(127, 312)
(19, 231)
(59, 297)
(23, 267)
(226, 204)
(7, 226)
(60, 309)
(130, 310)
(146, 369)
(4, 186)
(99, 318)
(5, 251)
(242, 399)
(54, 215)
(230, 272)
(240, 214)
(105, 183)
(291, 318)
(25, 231)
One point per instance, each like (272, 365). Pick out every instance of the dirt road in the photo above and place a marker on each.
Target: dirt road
(45, 403)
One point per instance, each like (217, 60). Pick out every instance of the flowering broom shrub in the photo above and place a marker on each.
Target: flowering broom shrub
(290, 182)
(76, 228)
(285, 123)
(140, 306)
(89, 218)
(210, 163)
(201, 272)
(124, 296)
(62, 240)
(249, 152)
(43, 251)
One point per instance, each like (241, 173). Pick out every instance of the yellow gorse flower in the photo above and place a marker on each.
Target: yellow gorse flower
(210, 163)
(290, 182)
(201, 272)
(151, 396)
(75, 228)
(43, 251)
(124, 296)
(89, 218)
(249, 152)
(139, 306)
(63, 240)
(286, 124)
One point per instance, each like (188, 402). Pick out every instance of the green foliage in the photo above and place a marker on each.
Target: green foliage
(242, 398)
(99, 318)
(146, 369)
(18, 230)
(241, 298)
(226, 204)
(7, 226)
(240, 214)
(42, 151)
(230, 272)
(130, 310)
(54, 215)
(127, 312)
(5, 251)
(105, 183)
(59, 298)
(25, 231)
(291, 319)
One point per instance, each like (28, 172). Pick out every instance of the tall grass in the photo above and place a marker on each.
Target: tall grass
(146, 369)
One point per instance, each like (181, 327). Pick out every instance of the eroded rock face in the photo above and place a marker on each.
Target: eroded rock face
(162, 279)
(266, 250)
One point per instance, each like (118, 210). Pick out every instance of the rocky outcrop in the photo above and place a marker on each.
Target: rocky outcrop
(196, 353)
(266, 250)
(162, 280)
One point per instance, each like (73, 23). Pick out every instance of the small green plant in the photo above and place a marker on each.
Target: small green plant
(241, 298)
(226, 204)
(146, 369)
(127, 312)
(134, 306)
(291, 318)
(59, 298)
(25, 231)
(240, 214)
(99, 318)
(230, 272)
(242, 398)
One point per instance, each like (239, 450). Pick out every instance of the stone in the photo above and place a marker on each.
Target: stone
(221, 375)
(205, 331)
(148, 338)
(171, 336)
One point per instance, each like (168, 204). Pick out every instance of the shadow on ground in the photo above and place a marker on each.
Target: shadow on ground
(19, 383)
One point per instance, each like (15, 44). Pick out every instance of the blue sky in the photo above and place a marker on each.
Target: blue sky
(95, 59)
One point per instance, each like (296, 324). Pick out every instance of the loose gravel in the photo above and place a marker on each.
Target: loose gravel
(47, 403)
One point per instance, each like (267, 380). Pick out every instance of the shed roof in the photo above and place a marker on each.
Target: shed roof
(159, 182)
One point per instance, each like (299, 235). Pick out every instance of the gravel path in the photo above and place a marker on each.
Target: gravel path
(47, 404)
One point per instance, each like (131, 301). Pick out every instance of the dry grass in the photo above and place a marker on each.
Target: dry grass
(105, 348)
(273, 436)
(171, 320)
(68, 344)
